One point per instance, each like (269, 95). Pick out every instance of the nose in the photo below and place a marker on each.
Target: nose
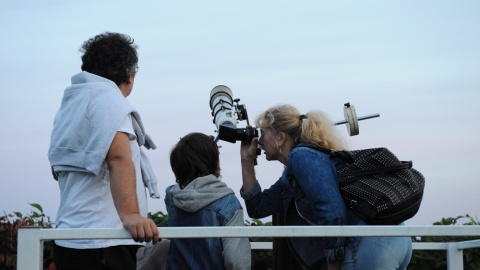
(260, 145)
(260, 140)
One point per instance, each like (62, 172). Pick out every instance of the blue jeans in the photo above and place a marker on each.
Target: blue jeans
(379, 253)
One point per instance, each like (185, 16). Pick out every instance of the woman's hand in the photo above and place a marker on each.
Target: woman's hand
(248, 154)
(248, 150)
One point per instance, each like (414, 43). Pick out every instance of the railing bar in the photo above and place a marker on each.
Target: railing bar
(261, 245)
(469, 244)
(429, 246)
(268, 231)
(415, 245)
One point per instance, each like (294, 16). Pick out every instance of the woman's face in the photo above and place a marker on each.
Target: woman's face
(268, 143)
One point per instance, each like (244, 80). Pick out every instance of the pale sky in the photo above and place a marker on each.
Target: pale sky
(416, 63)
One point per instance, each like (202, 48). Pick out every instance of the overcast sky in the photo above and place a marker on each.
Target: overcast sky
(416, 63)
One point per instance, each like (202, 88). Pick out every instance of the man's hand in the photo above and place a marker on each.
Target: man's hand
(123, 187)
(141, 228)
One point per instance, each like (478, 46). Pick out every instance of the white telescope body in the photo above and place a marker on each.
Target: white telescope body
(221, 103)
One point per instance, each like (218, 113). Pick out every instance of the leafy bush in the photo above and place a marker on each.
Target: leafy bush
(261, 259)
(437, 259)
(159, 218)
(9, 224)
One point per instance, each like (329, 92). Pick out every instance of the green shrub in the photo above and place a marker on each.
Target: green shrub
(437, 259)
(261, 259)
(159, 218)
(9, 225)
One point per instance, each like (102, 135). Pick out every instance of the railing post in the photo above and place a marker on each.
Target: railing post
(454, 256)
(29, 249)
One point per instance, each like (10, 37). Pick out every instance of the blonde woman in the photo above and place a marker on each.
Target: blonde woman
(307, 193)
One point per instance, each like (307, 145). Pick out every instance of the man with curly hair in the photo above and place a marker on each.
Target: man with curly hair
(96, 157)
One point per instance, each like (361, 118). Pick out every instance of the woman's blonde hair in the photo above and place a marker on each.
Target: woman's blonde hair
(314, 127)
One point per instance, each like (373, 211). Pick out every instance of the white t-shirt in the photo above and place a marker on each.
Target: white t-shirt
(86, 200)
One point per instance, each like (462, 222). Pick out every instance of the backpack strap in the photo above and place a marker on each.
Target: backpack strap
(333, 153)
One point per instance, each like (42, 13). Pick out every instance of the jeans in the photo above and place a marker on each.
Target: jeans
(379, 253)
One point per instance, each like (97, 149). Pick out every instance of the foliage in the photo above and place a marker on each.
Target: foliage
(261, 259)
(437, 259)
(160, 219)
(9, 225)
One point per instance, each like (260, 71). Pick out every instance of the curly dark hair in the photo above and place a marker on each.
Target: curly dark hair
(110, 55)
(195, 155)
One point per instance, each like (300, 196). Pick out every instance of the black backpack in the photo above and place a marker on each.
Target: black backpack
(378, 187)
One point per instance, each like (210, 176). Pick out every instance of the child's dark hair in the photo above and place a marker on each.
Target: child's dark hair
(195, 155)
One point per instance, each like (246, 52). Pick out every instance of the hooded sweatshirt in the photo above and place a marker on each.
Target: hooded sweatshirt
(91, 112)
(206, 201)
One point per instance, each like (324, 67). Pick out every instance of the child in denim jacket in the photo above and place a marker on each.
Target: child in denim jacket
(200, 198)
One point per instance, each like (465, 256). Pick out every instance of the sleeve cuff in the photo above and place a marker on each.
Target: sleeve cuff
(252, 193)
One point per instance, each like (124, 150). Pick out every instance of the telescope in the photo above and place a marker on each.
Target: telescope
(227, 112)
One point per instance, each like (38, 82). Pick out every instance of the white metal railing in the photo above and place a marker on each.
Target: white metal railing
(30, 239)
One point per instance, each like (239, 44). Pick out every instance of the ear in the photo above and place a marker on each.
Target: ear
(283, 137)
(126, 87)
(130, 80)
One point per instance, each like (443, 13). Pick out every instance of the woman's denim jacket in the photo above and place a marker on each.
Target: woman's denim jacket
(311, 180)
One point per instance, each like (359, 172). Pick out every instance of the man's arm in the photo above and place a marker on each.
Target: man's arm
(123, 187)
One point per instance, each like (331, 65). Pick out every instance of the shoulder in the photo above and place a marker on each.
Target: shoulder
(169, 188)
(304, 151)
(103, 93)
(302, 157)
(168, 192)
(227, 206)
(230, 200)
